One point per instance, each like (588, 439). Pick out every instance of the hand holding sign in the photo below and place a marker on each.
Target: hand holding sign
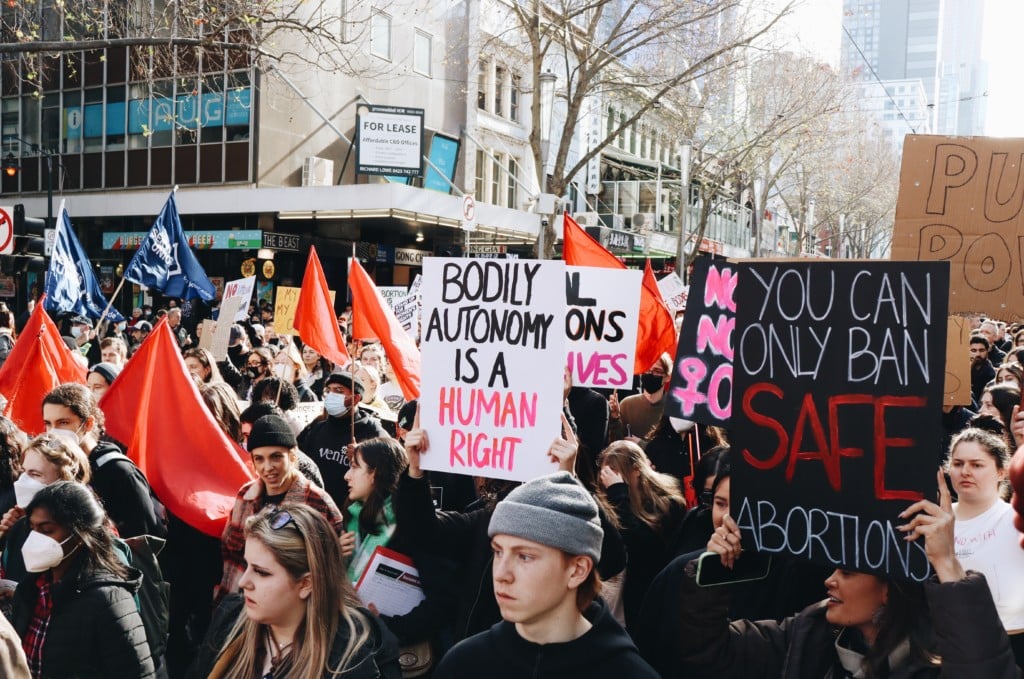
(415, 445)
(934, 522)
(725, 542)
(563, 450)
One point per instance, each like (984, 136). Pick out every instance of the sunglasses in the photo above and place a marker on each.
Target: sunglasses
(281, 518)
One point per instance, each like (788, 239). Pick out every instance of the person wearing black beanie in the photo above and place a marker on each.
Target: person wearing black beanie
(273, 449)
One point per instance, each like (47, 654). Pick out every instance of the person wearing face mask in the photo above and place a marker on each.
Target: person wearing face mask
(120, 484)
(288, 366)
(326, 439)
(88, 344)
(75, 608)
(635, 417)
(257, 367)
(48, 458)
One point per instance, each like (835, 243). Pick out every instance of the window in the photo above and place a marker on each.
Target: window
(495, 194)
(499, 90)
(380, 35)
(481, 86)
(421, 56)
(510, 191)
(481, 175)
(513, 108)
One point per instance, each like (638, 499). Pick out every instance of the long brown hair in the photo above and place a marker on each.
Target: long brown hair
(306, 545)
(655, 494)
(387, 458)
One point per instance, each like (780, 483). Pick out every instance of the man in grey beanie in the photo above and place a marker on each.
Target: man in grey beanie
(546, 537)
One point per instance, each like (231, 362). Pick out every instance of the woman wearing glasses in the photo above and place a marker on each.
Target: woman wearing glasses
(297, 616)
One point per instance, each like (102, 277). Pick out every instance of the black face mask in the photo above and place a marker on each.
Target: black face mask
(651, 383)
(253, 373)
(235, 351)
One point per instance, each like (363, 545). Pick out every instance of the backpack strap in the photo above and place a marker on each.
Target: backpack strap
(112, 455)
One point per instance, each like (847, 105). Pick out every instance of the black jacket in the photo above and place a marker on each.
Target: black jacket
(647, 550)
(125, 493)
(604, 651)
(326, 440)
(95, 630)
(378, 657)
(462, 538)
(705, 644)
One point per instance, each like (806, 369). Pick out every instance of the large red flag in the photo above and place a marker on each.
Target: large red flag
(38, 362)
(656, 333)
(314, 314)
(155, 407)
(401, 350)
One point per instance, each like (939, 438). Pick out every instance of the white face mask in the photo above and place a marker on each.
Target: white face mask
(285, 372)
(335, 404)
(76, 331)
(25, 488)
(680, 425)
(72, 438)
(41, 552)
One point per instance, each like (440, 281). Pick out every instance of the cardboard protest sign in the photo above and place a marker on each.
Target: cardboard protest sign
(601, 319)
(674, 292)
(222, 334)
(701, 386)
(836, 426)
(241, 288)
(961, 201)
(493, 359)
(206, 330)
(958, 362)
(284, 309)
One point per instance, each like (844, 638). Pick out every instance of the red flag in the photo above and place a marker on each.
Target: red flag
(657, 331)
(401, 350)
(155, 407)
(314, 314)
(38, 362)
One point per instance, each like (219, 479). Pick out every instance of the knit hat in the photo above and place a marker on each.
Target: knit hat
(554, 510)
(347, 379)
(271, 430)
(107, 371)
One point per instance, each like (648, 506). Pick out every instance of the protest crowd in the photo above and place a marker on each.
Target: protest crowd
(185, 491)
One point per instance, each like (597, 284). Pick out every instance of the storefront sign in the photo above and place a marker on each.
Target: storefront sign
(410, 257)
(618, 240)
(389, 141)
(281, 241)
(199, 240)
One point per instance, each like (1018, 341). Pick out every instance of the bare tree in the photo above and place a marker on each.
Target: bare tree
(639, 50)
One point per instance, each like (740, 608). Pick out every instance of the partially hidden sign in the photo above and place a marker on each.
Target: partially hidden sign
(493, 358)
(961, 201)
(836, 425)
(285, 301)
(701, 386)
(601, 320)
(958, 362)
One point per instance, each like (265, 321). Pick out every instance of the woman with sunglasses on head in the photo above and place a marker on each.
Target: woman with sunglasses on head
(297, 616)
(272, 447)
(75, 609)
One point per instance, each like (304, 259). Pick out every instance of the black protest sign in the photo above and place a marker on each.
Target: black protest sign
(701, 387)
(838, 386)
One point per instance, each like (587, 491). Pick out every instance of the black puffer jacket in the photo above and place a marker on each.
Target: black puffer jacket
(95, 631)
(125, 493)
(378, 657)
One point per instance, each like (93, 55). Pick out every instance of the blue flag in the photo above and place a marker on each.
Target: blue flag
(166, 263)
(71, 285)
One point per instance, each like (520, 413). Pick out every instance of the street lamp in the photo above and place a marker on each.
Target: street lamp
(685, 153)
(10, 165)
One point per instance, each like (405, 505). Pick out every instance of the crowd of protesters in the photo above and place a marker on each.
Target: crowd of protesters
(588, 572)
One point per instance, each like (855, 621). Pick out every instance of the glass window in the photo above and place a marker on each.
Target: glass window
(421, 58)
(481, 175)
(380, 35)
(513, 109)
(510, 193)
(495, 194)
(481, 86)
(499, 90)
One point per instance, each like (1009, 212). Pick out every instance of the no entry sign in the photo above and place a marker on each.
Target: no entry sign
(6, 229)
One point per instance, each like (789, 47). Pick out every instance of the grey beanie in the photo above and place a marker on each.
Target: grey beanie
(554, 510)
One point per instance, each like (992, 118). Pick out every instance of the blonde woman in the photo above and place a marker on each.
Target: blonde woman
(650, 508)
(297, 616)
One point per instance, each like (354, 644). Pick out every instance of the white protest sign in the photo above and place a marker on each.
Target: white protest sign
(391, 293)
(242, 288)
(407, 311)
(206, 333)
(601, 318)
(493, 359)
(222, 335)
(674, 292)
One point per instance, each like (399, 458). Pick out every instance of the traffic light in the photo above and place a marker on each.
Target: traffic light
(29, 241)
